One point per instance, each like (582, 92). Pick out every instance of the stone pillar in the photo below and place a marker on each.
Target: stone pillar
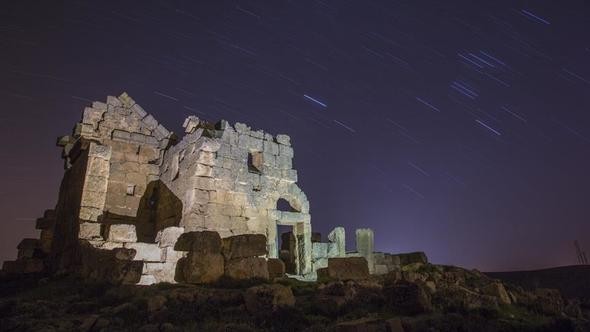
(302, 232)
(94, 190)
(337, 237)
(272, 246)
(365, 246)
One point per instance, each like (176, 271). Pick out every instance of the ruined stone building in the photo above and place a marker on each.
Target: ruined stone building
(130, 183)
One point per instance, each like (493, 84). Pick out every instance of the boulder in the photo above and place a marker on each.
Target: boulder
(202, 268)
(267, 298)
(245, 245)
(407, 298)
(246, 268)
(276, 268)
(346, 268)
(205, 242)
(549, 301)
(497, 290)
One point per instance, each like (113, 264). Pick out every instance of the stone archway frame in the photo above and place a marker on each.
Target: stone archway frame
(299, 219)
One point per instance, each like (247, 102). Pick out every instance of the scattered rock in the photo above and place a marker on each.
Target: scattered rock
(496, 289)
(266, 298)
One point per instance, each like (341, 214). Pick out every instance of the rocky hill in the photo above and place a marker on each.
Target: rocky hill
(419, 297)
(572, 281)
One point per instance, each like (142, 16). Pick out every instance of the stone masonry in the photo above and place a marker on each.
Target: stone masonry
(130, 183)
(131, 188)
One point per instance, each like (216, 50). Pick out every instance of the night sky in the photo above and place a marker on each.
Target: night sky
(460, 128)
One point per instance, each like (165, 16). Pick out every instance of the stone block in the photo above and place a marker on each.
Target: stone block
(28, 244)
(168, 236)
(93, 199)
(120, 135)
(245, 245)
(90, 231)
(28, 253)
(149, 252)
(285, 150)
(270, 148)
(96, 183)
(207, 144)
(28, 265)
(289, 175)
(204, 183)
(150, 122)
(163, 272)
(99, 151)
(205, 242)
(246, 268)
(121, 233)
(206, 158)
(283, 139)
(203, 170)
(114, 101)
(349, 268)
(319, 250)
(190, 124)
(141, 113)
(276, 268)
(99, 106)
(241, 127)
(199, 268)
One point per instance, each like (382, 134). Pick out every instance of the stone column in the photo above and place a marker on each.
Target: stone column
(337, 237)
(365, 246)
(302, 232)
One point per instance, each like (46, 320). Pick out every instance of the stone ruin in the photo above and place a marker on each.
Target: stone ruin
(139, 205)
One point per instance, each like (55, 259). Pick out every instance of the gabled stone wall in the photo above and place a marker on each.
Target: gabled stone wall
(128, 182)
